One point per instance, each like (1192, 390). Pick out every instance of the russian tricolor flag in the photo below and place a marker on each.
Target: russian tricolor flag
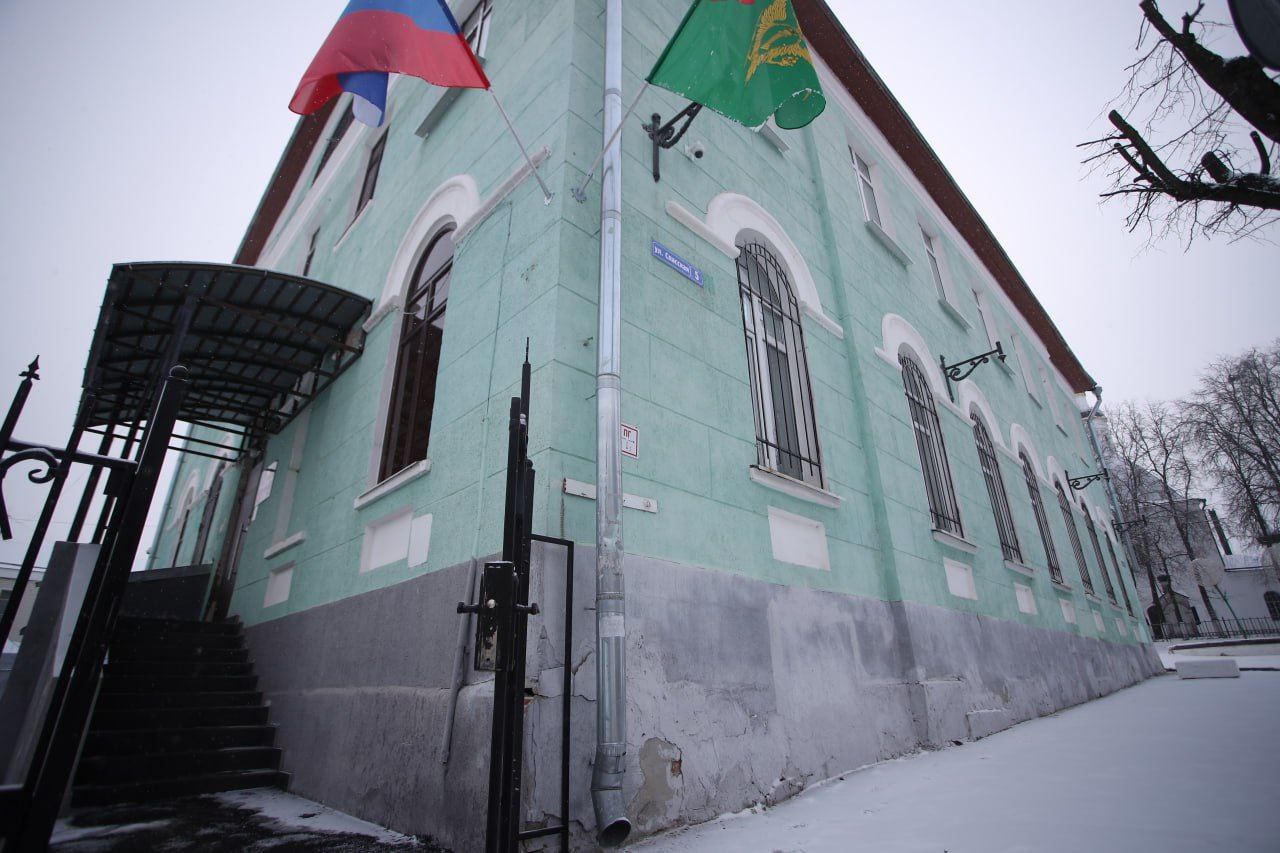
(376, 37)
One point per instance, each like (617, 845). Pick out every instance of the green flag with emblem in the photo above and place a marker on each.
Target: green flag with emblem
(745, 59)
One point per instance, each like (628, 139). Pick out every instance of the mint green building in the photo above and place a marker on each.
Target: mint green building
(829, 560)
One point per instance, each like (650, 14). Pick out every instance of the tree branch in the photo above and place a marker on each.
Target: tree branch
(1241, 82)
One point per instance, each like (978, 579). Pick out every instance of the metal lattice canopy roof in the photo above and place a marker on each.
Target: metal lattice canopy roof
(258, 344)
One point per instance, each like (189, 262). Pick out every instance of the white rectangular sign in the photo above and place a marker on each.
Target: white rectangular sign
(630, 441)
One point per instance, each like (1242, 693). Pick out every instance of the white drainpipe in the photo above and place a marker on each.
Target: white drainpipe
(612, 824)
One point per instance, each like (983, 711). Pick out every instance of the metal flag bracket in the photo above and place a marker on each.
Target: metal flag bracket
(666, 135)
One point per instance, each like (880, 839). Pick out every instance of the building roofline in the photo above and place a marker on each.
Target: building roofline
(829, 37)
(834, 44)
(287, 173)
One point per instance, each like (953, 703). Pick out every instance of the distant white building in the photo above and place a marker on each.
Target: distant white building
(1251, 584)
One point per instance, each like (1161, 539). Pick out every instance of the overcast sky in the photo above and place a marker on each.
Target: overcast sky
(147, 130)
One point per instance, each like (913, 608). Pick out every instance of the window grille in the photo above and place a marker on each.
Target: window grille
(1124, 588)
(933, 451)
(371, 174)
(339, 131)
(1097, 552)
(995, 490)
(781, 394)
(1042, 521)
(418, 359)
(1273, 604)
(475, 29)
(869, 205)
(1073, 534)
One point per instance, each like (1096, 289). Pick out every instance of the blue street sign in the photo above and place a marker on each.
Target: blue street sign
(678, 263)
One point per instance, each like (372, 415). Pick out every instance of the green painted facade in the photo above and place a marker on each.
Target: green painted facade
(531, 270)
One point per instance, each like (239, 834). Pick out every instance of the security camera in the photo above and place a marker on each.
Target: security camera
(695, 150)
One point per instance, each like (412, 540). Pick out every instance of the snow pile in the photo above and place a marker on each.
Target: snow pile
(296, 813)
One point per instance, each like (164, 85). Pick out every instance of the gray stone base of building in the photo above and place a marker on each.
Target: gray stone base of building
(739, 692)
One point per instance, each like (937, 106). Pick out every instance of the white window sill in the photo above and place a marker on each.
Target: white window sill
(795, 488)
(954, 313)
(401, 478)
(1060, 587)
(1093, 597)
(1019, 568)
(953, 541)
(889, 243)
(284, 545)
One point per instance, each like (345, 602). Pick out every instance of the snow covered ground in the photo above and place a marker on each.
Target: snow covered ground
(1169, 765)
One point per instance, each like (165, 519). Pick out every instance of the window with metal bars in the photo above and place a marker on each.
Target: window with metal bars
(938, 485)
(1097, 553)
(1272, 600)
(1124, 588)
(1068, 518)
(1042, 520)
(781, 394)
(995, 490)
(418, 358)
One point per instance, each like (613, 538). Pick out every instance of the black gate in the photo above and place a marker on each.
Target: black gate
(502, 622)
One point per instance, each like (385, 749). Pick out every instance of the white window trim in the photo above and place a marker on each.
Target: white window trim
(396, 481)
(951, 540)
(870, 179)
(728, 215)
(1024, 364)
(798, 489)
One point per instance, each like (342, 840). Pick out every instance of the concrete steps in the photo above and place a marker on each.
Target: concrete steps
(178, 713)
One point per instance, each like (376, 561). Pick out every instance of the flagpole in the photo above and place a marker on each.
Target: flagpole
(580, 193)
(546, 193)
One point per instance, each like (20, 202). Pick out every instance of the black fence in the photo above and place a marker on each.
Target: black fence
(1217, 629)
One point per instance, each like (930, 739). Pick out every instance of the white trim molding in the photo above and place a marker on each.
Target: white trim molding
(284, 545)
(896, 333)
(729, 215)
(950, 540)
(793, 487)
(453, 202)
(401, 478)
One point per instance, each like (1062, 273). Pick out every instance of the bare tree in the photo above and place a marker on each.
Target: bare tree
(1185, 104)
(1157, 477)
(1235, 424)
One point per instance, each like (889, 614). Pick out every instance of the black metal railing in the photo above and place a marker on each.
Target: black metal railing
(1217, 629)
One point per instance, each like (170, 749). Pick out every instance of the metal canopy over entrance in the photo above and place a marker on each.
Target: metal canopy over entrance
(237, 349)
(257, 344)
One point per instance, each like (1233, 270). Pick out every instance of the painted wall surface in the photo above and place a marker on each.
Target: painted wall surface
(529, 270)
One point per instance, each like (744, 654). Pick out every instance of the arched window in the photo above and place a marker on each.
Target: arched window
(1097, 553)
(1273, 604)
(995, 490)
(1124, 588)
(1068, 518)
(418, 358)
(781, 395)
(1042, 521)
(933, 452)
